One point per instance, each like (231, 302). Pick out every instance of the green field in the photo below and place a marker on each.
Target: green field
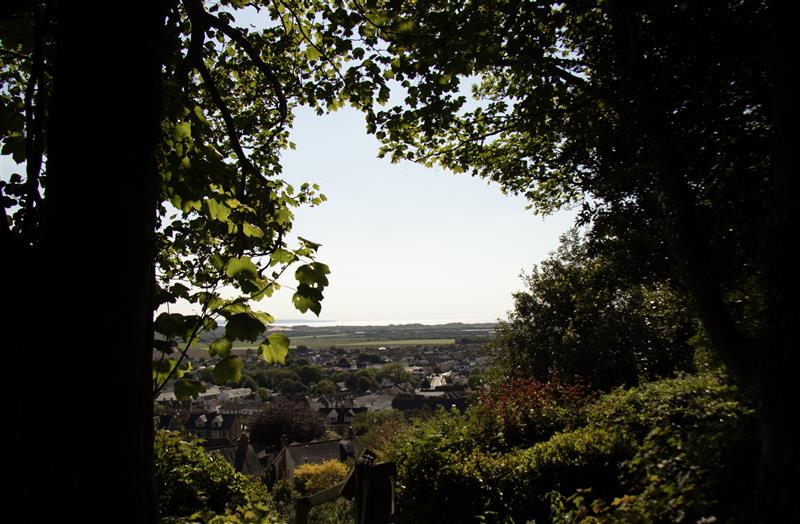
(360, 342)
(338, 340)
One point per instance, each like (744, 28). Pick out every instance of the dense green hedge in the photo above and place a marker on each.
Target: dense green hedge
(192, 486)
(665, 451)
(696, 442)
(440, 479)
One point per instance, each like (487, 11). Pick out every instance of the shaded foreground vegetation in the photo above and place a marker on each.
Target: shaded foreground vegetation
(667, 123)
(673, 450)
(667, 451)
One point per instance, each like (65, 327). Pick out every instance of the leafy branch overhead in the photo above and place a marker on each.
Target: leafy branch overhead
(230, 93)
(224, 213)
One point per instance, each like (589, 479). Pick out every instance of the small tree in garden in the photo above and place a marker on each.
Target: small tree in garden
(297, 422)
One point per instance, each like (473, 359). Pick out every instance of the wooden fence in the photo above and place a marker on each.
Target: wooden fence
(372, 486)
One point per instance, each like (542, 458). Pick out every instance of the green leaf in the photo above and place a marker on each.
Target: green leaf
(252, 230)
(283, 216)
(253, 286)
(182, 131)
(14, 145)
(198, 112)
(312, 53)
(313, 274)
(228, 369)
(303, 304)
(309, 244)
(281, 256)
(244, 326)
(188, 388)
(241, 268)
(218, 210)
(190, 322)
(179, 290)
(275, 348)
(307, 298)
(165, 346)
(217, 261)
(263, 291)
(265, 318)
(209, 324)
(231, 309)
(220, 347)
(170, 324)
(162, 369)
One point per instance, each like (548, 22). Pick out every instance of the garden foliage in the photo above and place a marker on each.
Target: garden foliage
(664, 451)
(313, 478)
(193, 486)
(283, 417)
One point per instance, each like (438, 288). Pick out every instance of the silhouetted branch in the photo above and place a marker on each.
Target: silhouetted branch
(238, 37)
(34, 116)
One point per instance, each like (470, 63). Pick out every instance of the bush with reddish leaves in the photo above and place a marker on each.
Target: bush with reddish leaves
(527, 411)
(295, 420)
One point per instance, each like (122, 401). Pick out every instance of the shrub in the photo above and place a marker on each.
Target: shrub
(667, 451)
(696, 442)
(281, 417)
(337, 511)
(201, 487)
(527, 411)
(313, 478)
(376, 429)
(437, 481)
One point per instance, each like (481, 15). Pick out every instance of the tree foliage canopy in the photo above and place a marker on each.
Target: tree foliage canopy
(580, 319)
(298, 422)
(665, 122)
(198, 486)
(228, 92)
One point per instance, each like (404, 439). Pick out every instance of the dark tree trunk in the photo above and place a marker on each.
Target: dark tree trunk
(766, 366)
(85, 449)
(778, 359)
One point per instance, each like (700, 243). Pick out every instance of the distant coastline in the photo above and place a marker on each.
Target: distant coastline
(394, 322)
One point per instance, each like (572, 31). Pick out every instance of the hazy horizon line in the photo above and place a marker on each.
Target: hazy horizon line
(379, 323)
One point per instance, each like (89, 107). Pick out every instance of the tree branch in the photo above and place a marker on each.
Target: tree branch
(195, 331)
(34, 125)
(233, 135)
(201, 21)
(307, 38)
(237, 36)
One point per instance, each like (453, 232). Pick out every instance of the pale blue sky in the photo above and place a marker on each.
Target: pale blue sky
(404, 242)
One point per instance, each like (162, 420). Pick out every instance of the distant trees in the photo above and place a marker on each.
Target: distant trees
(325, 387)
(310, 374)
(393, 371)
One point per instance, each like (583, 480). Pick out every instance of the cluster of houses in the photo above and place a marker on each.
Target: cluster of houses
(220, 415)
(220, 418)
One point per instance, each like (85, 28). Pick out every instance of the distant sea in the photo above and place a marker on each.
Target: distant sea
(427, 322)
